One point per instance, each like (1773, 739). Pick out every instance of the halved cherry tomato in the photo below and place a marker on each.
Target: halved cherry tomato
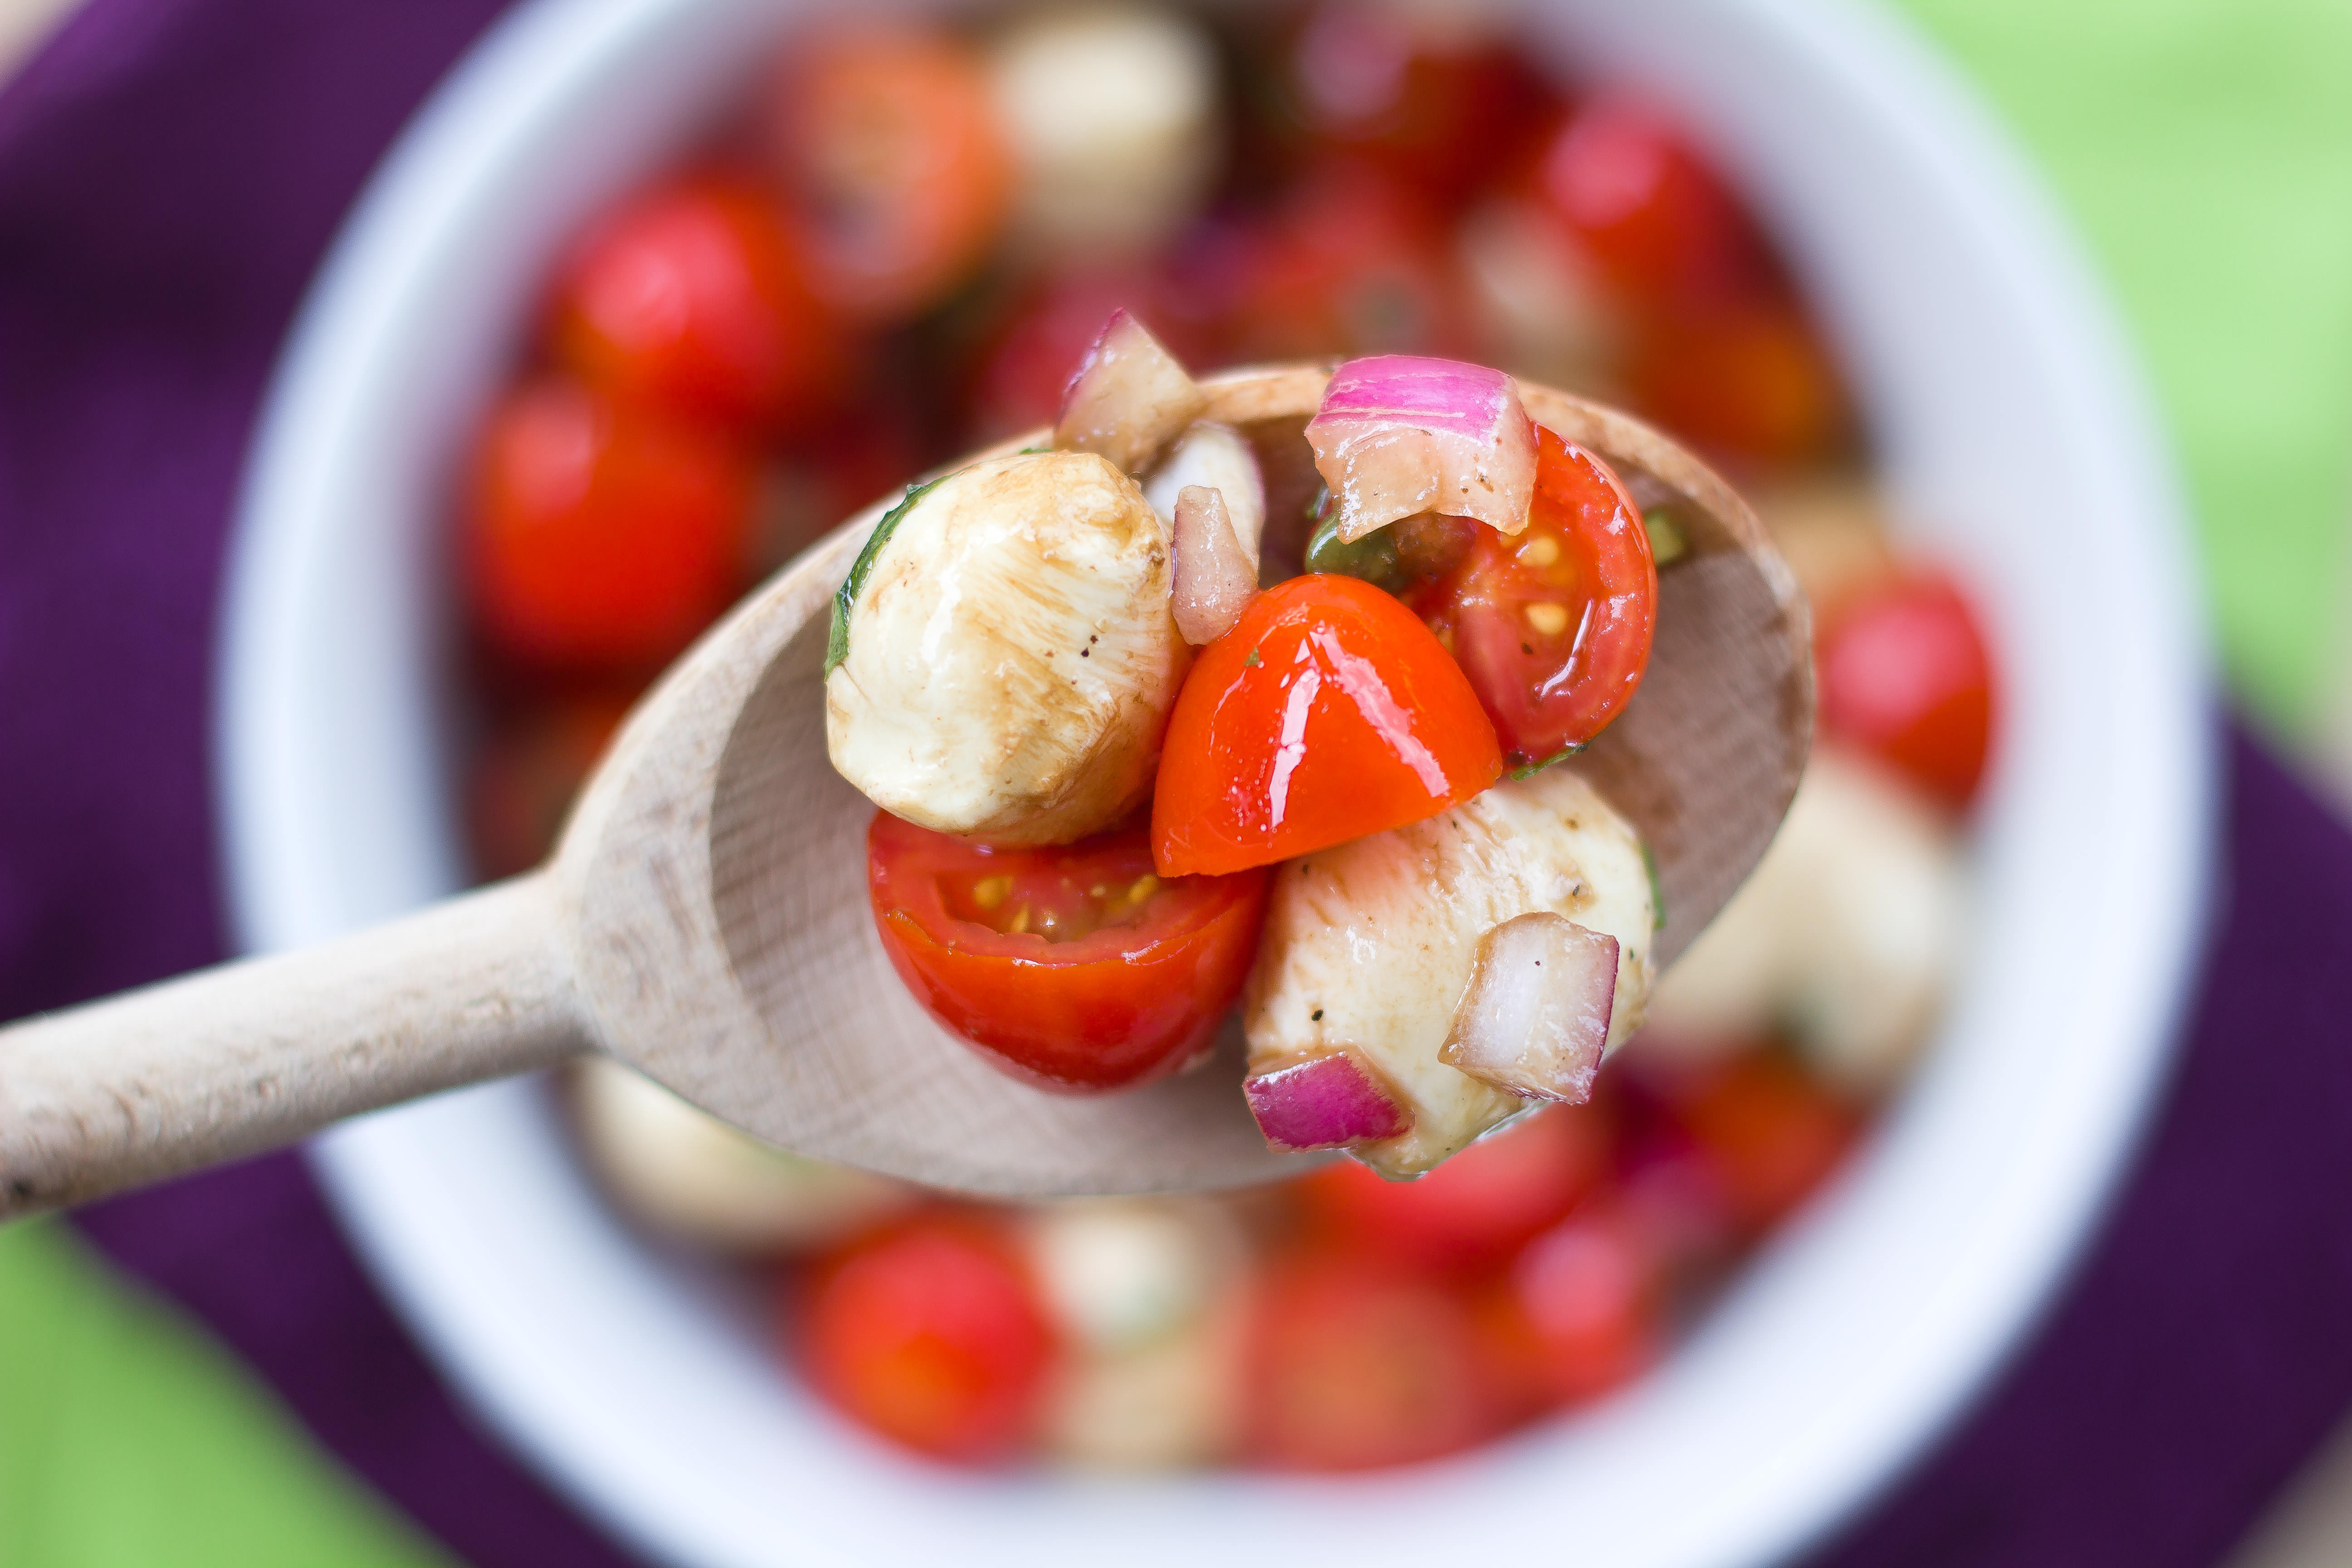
(887, 140)
(1326, 713)
(1355, 1363)
(693, 295)
(1553, 625)
(1590, 1294)
(1077, 967)
(1749, 380)
(933, 1333)
(1476, 1207)
(1653, 216)
(1904, 675)
(601, 533)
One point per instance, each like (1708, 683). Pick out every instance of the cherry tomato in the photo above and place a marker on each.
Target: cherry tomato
(1662, 230)
(931, 1332)
(1768, 1132)
(1326, 713)
(1354, 1363)
(1076, 968)
(1749, 380)
(888, 141)
(1350, 263)
(1553, 625)
(693, 295)
(1476, 1207)
(1589, 1295)
(599, 534)
(1906, 675)
(525, 777)
(1430, 107)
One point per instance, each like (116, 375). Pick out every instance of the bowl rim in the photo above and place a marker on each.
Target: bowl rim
(536, 54)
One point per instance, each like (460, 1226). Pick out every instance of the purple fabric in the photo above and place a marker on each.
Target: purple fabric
(170, 171)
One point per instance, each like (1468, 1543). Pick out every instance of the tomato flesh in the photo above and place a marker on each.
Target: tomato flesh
(693, 296)
(932, 1333)
(1904, 674)
(1553, 625)
(601, 533)
(1078, 968)
(1326, 713)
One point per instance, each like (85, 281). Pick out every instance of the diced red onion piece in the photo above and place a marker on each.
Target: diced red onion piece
(1215, 580)
(1534, 1018)
(1128, 399)
(1218, 456)
(1325, 1102)
(1399, 434)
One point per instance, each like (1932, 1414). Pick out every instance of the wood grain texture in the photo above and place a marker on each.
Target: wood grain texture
(706, 915)
(236, 1059)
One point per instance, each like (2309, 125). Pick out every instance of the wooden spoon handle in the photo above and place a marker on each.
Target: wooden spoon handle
(233, 1060)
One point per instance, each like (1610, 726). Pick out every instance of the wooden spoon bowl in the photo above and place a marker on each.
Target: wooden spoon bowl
(706, 920)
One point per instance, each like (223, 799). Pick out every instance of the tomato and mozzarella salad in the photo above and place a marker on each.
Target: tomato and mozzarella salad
(1117, 779)
(899, 247)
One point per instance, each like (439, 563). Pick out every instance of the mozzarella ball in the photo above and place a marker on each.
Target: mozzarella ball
(1112, 118)
(1011, 656)
(1846, 936)
(1370, 945)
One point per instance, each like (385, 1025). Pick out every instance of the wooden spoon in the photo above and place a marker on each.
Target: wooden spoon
(706, 920)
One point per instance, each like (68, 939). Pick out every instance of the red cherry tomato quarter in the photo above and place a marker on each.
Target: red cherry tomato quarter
(1664, 230)
(1078, 968)
(932, 1333)
(1906, 675)
(1553, 625)
(1326, 713)
(1590, 1294)
(694, 295)
(601, 533)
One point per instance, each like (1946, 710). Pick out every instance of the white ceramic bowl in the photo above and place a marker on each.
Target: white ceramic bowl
(2006, 418)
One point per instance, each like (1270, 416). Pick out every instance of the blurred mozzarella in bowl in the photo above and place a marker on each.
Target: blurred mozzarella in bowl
(2014, 443)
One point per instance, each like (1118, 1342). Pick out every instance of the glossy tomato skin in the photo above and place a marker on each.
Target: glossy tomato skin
(1115, 1006)
(693, 296)
(1905, 675)
(1662, 230)
(886, 139)
(1327, 712)
(1356, 1363)
(931, 1332)
(1553, 625)
(602, 534)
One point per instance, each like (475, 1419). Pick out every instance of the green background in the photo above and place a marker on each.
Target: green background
(2204, 148)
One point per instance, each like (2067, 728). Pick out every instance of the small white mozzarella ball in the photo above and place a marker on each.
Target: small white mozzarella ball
(1846, 935)
(1145, 1291)
(1370, 945)
(1012, 657)
(692, 1175)
(1220, 457)
(1112, 118)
